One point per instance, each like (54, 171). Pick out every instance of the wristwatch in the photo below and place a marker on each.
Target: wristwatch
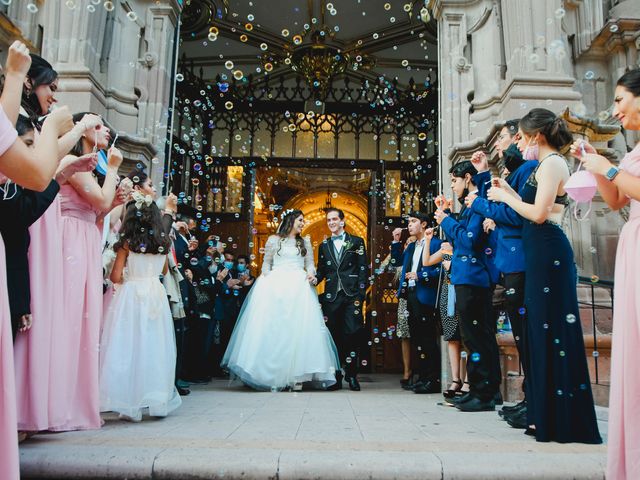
(611, 173)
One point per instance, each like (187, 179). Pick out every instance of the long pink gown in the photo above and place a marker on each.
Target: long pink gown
(623, 462)
(41, 394)
(9, 464)
(82, 306)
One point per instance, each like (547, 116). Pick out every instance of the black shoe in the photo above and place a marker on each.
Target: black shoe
(335, 386)
(338, 384)
(497, 398)
(450, 393)
(518, 419)
(183, 391)
(430, 386)
(465, 397)
(409, 385)
(354, 385)
(406, 383)
(513, 408)
(530, 431)
(477, 405)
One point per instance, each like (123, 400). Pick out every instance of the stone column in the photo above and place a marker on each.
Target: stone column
(117, 63)
(497, 60)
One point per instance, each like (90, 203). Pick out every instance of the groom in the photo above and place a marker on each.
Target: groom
(342, 263)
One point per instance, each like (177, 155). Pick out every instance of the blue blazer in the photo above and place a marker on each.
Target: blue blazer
(468, 265)
(509, 252)
(482, 181)
(428, 277)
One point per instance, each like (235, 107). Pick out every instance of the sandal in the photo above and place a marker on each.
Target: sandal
(462, 392)
(451, 392)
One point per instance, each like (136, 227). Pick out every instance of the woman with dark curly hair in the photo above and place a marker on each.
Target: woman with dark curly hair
(280, 339)
(137, 347)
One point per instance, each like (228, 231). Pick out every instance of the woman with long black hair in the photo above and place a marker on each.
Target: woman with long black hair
(280, 339)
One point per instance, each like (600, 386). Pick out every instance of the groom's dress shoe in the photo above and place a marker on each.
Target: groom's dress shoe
(335, 386)
(354, 385)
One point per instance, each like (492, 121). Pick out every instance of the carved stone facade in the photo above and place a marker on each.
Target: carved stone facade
(114, 58)
(500, 58)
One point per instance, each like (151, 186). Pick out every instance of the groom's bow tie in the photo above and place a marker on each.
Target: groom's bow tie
(337, 237)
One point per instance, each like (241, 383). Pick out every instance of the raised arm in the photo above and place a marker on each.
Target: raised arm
(429, 259)
(553, 173)
(100, 198)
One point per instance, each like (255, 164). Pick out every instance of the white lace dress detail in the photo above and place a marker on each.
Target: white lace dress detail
(280, 338)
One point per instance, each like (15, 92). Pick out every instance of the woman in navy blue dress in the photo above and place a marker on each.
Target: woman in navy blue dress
(560, 406)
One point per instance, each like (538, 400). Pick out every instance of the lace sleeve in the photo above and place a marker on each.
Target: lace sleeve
(270, 250)
(309, 263)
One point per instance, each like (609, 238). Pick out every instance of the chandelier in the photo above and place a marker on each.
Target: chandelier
(317, 62)
(314, 55)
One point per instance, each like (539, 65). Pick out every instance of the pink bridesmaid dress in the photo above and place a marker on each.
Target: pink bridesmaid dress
(623, 461)
(40, 393)
(9, 464)
(77, 349)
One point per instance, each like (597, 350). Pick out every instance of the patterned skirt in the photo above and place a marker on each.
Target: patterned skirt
(450, 324)
(402, 330)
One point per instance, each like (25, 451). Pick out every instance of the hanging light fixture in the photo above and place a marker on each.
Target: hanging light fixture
(315, 57)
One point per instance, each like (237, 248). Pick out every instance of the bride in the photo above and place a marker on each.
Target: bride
(280, 339)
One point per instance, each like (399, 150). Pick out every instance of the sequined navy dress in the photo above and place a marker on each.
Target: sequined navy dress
(558, 387)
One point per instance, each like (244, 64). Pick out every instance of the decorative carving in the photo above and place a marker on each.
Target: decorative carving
(149, 59)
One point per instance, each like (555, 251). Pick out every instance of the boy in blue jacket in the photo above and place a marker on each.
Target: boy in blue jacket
(419, 285)
(510, 253)
(470, 276)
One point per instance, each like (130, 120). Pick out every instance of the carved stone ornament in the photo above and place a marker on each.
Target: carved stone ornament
(462, 65)
(149, 59)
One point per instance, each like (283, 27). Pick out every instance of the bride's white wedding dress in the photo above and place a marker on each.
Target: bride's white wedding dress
(280, 338)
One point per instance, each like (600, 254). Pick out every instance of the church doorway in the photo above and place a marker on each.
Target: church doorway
(306, 106)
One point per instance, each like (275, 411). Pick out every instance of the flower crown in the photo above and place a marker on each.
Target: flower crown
(141, 199)
(286, 212)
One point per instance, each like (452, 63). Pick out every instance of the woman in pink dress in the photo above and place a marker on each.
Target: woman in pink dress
(40, 395)
(82, 200)
(32, 169)
(618, 188)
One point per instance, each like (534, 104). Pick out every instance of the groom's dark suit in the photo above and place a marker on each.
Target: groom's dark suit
(346, 275)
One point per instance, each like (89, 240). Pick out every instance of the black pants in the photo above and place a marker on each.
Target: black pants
(473, 305)
(179, 327)
(423, 327)
(514, 305)
(342, 315)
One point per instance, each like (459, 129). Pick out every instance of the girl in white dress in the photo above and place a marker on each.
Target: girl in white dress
(137, 347)
(280, 339)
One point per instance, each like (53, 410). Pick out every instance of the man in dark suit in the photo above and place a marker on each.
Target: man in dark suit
(342, 264)
(419, 285)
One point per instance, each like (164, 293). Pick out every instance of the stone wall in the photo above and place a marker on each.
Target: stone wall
(115, 58)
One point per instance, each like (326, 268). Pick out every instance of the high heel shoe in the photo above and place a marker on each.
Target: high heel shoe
(450, 393)
(461, 392)
(407, 383)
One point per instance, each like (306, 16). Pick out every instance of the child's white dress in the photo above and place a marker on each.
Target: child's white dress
(137, 347)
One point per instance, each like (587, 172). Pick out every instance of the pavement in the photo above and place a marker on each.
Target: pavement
(226, 431)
